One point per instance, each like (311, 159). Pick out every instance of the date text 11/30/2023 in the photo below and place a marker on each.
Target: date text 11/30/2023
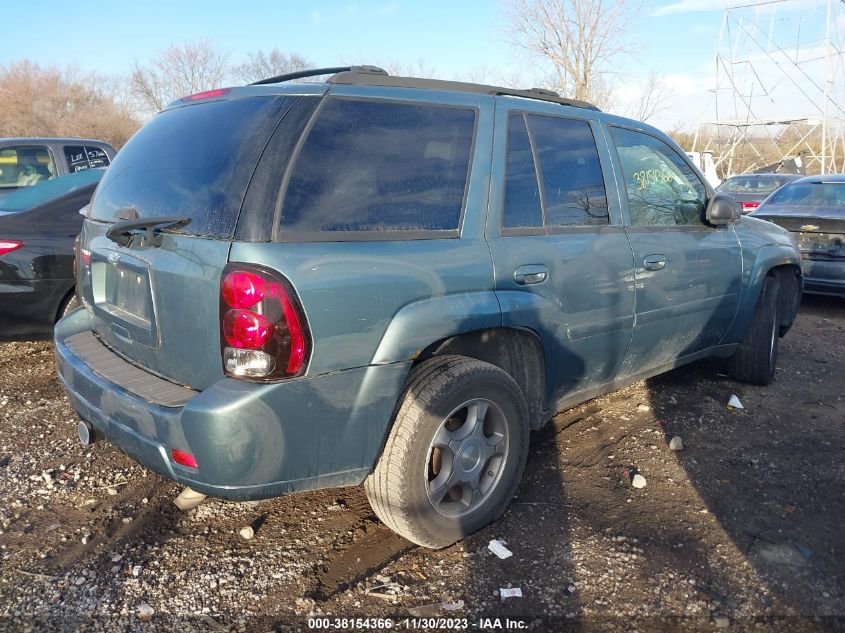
(421, 623)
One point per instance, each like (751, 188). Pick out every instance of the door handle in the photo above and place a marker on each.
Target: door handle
(654, 262)
(532, 274)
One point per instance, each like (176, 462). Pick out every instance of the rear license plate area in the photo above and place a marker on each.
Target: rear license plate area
(120, 286)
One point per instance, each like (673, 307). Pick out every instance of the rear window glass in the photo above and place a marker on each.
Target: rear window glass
(380, 166)
(811, 194)
(745, 184)
(193, 161)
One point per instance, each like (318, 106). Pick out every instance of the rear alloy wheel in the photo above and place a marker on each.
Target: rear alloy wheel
(755, 359)
(465, 457)
(455, 454)
(71, 304)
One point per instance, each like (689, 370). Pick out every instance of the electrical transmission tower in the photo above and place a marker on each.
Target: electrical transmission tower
(779, 89)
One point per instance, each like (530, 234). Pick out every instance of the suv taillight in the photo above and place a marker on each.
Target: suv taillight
(263, 332)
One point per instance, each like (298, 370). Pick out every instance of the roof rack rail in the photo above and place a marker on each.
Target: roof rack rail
(316, 72)
(354, 76)
(375, 76)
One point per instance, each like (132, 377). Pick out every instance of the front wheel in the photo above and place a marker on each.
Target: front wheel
(754, 361)
(455, 454)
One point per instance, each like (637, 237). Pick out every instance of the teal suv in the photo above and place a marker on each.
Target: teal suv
(391, 281)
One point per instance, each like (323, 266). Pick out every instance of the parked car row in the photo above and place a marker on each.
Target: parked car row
(28, 161)
(38, 226)
(44, 182)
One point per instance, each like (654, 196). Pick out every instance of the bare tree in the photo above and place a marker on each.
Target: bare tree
(37, 101)
(578, 39)
(654, 98)
(179, 70)
(262, 65)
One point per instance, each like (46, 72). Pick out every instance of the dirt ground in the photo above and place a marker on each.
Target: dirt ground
(743, 528)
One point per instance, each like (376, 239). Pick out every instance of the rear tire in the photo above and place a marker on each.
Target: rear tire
(755, 359)
(70, 304)
(455, 454)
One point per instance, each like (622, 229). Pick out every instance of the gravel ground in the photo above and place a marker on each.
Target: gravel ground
(743, 528)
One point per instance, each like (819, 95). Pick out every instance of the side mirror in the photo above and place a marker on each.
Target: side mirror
(722, 209)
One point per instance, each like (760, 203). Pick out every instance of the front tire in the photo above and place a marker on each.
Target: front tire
(455, 453)
(755, 359)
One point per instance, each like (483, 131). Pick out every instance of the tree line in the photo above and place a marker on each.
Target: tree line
(49, 101)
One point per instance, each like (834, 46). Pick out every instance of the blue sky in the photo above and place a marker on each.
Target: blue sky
(453, 39)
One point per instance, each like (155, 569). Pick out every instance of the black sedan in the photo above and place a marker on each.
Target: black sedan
(751, 189)
(813, 210)
(38, 226)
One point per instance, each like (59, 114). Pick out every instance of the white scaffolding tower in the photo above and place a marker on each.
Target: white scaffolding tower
(779, 87)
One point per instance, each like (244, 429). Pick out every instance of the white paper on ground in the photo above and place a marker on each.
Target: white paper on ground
(499, 549)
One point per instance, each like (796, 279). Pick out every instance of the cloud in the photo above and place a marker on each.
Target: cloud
(756, 6)
(690, 6)
(315, 15)
(388, 9)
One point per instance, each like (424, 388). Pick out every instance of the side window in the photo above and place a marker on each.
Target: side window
(80, 158)
(522, 192)
(573, 186)
(25, 165)
(662, 189)
(381, 166)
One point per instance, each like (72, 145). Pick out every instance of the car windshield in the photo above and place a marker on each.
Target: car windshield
(750, 184)
(28, 197)
(810, 194)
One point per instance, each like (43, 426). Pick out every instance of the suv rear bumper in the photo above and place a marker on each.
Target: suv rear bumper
(251, 441)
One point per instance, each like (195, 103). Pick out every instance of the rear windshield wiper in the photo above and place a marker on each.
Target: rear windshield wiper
(122, 232)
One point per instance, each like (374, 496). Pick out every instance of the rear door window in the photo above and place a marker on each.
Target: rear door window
(573, 185)
(380, 166)
(82, 157)
(192, 161)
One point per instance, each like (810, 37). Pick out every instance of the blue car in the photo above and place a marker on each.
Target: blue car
(392, 281)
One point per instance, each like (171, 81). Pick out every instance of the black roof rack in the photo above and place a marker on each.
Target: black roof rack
(375, 76)
(353, 76)
(316, 72)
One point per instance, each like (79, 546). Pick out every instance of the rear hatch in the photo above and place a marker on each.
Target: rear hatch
(813, 210)
(155, 301)
(818, 236)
